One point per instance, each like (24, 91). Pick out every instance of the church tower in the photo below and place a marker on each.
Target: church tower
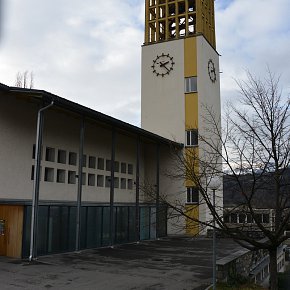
(180, 76)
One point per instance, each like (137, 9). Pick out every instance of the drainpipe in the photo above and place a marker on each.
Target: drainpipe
(157, 190)
(137, 220)
(36, 182)
(112, 187)
(80, 185)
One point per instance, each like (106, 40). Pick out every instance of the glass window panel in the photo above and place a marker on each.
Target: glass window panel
(259, 217)
(132, 224)
(249, 218)
(123, 183)
(60, 176)
(116, 166)
(226, 218)
(192, 137)
(83, 237)
(190, 85)
(234, 218)
(162, 214)
(71, 177)
(91, 179)
(72, 158)
(108, 165)
(54, 229)
(49, 174)
(123, 167)
(42, 230)
(84, 160)
(72, 228)
(64, 228)
(100, 180)
(152, 223)
(122, 224)
(130, 184)
(106, 226)
(94, 227)
(84, 178)
(192, 195)
(108, 181)
(144, 223)
(130, 168)
(50, 154)
(33, 151)
(242, 218)
(116, 182)
(92, 162)
(101, 163)
(61, 156)
(32, 173)
(266, 218)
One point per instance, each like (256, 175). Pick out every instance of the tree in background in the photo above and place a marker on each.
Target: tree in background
(25, 80)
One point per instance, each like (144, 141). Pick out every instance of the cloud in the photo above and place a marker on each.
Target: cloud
(86, 51)
(252, 35)
(90, 51)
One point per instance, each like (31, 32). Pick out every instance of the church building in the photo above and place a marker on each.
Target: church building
(73, 178)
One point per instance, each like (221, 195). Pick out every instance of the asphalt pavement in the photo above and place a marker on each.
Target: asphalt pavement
(172, 263)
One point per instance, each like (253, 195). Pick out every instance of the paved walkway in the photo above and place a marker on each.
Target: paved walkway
(179, 263)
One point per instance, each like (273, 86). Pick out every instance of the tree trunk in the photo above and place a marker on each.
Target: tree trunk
(273, 269)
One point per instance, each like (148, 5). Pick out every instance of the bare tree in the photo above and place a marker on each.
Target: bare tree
(253, 148)
(24, 80)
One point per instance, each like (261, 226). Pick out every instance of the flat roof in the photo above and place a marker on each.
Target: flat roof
(48, 97)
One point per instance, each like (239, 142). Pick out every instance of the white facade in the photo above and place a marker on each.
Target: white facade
(18, 117)
(162, 98)
(208, 99)
(164, 107)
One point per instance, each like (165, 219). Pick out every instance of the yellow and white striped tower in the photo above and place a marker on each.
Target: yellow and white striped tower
(180, 74)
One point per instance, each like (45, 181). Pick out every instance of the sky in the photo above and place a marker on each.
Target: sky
(89, 51)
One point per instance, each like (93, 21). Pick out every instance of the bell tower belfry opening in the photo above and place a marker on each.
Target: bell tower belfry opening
(180, 77)
(173, 19)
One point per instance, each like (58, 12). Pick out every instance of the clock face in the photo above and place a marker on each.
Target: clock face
(211, 70)
(163, 65)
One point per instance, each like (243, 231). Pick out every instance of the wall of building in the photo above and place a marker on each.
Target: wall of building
(172, 189)
(208, 101)
(17, 131)
(162, 101)
(62, 134)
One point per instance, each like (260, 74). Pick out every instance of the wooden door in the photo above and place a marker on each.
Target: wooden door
(11, 217)
(3, 236)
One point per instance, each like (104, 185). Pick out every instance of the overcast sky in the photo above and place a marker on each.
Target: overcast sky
(89, 51)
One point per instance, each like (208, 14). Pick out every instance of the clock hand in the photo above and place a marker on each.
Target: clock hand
(163, 63)
(166, 67)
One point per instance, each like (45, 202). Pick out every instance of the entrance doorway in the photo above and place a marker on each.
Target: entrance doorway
(11, 225)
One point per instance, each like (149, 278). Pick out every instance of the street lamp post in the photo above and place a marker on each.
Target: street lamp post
(214, 185)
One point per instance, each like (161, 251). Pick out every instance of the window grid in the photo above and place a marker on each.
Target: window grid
(63, 175)
(192, 195)
(190, 85)
(191, 137)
